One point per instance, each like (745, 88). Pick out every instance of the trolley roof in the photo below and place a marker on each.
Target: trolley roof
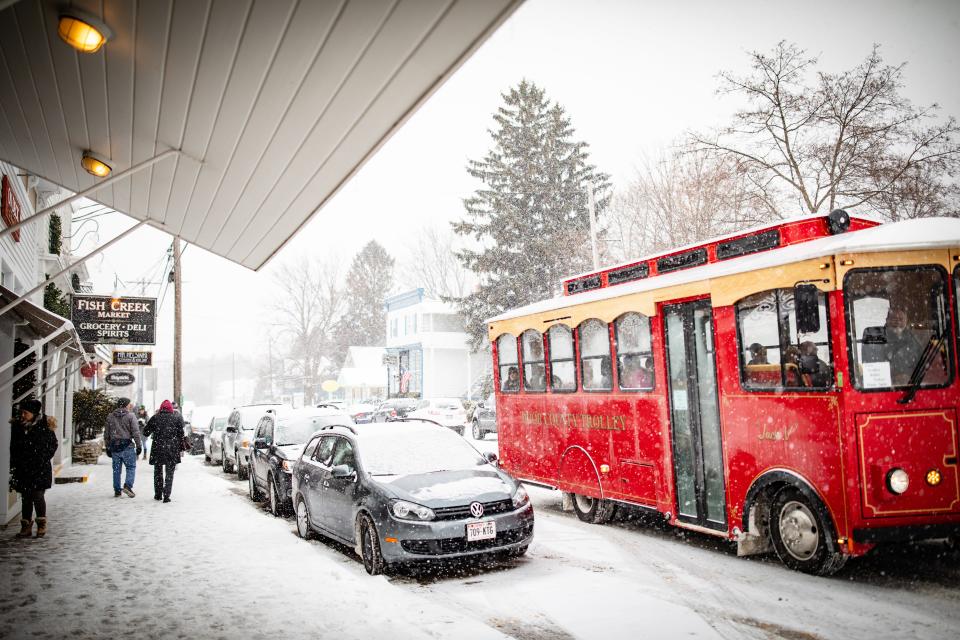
(908, 235)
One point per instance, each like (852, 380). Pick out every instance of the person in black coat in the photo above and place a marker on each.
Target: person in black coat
(166, 427)
(32, 445)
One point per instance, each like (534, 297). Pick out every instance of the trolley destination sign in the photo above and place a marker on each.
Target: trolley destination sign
(108, 320)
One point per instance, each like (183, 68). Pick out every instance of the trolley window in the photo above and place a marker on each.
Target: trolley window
(773, 354)
(634, 355)
(898, 327)
(534, 370)
(595, 368)
(563, 374)
(507, 360)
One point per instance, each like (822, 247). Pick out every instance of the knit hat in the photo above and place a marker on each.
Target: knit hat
(32, 405)
(122, 403)
(166, 406)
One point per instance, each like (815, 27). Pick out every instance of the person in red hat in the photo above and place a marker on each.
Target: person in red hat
(32, 445)
(166, 427)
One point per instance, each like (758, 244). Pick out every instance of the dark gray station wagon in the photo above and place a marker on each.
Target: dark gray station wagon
(408, 491)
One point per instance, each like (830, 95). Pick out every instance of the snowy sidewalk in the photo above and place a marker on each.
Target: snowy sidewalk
(207, 565)
(212, 564)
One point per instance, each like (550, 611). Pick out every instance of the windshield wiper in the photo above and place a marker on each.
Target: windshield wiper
(920, 371)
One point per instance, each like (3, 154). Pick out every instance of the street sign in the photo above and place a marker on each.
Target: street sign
(143, 358)
(107, 320)
(120, 378)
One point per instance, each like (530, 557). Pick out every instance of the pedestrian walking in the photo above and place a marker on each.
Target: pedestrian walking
(124, 445)
(32, 445)
(142, 418)
(166, 429)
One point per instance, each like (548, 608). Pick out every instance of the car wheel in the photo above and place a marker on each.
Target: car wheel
(242, 471)
(303, 521)
(370, 546)
(478, 433)
(800, 535)
(255, 494)
(274, 498)
(225, 464)
(206, 458)
(593, 510)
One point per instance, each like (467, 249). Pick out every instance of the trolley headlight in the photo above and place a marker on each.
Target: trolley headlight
(934, 477)
(897, 481)
(410, 511)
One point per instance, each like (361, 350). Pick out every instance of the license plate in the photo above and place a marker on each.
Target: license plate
(481, 530)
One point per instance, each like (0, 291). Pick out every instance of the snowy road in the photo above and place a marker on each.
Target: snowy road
(193, 568)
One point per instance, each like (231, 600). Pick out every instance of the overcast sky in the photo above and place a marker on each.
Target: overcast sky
(633, 76)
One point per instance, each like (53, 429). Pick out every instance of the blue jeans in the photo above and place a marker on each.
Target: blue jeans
(128, 459)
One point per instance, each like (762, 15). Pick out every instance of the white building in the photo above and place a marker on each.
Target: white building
(29, 330)
(363, 375)
(428, 350)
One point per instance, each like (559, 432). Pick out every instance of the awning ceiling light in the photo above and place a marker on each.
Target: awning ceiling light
(94, 165)
(83, 32)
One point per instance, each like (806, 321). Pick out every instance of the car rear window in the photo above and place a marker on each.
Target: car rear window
(408, 452)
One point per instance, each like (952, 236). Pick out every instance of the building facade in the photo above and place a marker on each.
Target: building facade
(428, 352)
(39, 349)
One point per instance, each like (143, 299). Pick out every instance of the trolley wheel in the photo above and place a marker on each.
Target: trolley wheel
(799, 535)
(593, 510)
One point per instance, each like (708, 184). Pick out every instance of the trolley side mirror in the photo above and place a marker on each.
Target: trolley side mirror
(806, 300)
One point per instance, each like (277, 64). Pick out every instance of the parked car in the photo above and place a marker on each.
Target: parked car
(213, 439)
(449, 412)
(394, 408)
(484, 418)
(361, 412)
(197, 421)
(238, 436)
(277, 443)
(406, 491)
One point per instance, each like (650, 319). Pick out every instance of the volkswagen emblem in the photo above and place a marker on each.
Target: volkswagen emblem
(476, 509)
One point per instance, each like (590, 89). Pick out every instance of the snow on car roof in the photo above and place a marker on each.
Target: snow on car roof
(926, 233)
(308, 412)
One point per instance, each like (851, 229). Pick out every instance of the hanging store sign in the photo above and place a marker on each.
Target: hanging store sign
(120, 378)
(106, 320)
(10, 207)
(144, 358)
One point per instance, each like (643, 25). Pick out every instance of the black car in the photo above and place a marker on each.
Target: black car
(278, 441)
(393, 409)
(406, 491)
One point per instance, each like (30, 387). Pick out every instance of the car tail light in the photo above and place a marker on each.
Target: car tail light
(393, 414)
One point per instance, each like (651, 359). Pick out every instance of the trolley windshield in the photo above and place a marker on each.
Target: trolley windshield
(898, 327)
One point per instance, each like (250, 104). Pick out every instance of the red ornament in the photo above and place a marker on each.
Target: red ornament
(88, 370)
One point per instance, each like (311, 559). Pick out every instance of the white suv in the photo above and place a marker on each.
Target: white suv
(238, 436)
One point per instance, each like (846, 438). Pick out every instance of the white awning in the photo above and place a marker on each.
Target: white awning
(45, 324)
(273, 104)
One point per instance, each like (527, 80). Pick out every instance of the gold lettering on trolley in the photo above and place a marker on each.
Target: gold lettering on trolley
(778, 435)
(575, 420)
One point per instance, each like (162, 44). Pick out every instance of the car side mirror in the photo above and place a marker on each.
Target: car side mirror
(491, 457)
(806, 301)
(260, 443)
(342, 471)
(231, 429)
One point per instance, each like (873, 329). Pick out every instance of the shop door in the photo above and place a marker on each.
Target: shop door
(694, 415)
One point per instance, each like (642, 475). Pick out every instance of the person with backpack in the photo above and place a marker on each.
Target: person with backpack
(121, 437)
(33, 442)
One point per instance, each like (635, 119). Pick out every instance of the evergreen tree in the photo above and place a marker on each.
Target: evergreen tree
(369, 281)
(530, 218)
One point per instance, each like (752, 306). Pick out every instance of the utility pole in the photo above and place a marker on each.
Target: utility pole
(593, 227)
(177, 338)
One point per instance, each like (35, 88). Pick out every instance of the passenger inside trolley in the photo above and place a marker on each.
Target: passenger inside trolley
(758, 354)
(512, 381)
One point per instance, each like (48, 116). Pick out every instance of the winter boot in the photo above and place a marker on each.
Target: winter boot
(26, 527)
(41, 527)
